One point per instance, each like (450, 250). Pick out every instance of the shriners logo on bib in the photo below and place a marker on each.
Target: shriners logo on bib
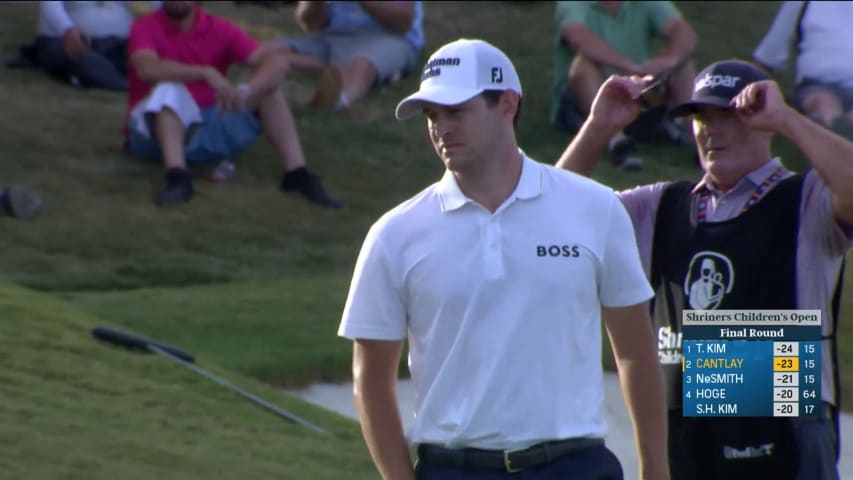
(709, 278)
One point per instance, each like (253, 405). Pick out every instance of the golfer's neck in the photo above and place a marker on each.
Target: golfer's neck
(492, 183)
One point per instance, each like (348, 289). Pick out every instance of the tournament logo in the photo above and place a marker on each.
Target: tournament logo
(669, 346)
(709, 278)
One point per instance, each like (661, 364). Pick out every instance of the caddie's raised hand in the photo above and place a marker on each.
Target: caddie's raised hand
(761, 105)
(615, 105)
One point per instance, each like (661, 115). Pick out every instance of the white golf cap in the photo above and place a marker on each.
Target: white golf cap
(457, 72)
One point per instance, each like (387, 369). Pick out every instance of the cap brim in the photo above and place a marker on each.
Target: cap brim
(689, 108)
(413, 104)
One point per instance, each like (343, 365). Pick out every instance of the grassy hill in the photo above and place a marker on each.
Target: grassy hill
(76, 409)
(250, 280)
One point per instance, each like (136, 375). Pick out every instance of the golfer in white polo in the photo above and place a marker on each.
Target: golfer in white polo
(499, 275)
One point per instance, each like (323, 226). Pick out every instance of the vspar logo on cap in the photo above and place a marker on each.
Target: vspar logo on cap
(711, 81)
(433, 67)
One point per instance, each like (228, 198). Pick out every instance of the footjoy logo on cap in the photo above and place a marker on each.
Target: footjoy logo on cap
(711, 81)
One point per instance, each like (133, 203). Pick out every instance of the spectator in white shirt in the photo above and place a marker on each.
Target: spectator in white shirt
(85, 42)
(822, 40)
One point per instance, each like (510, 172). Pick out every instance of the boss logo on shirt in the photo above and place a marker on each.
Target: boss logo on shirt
(571, 251)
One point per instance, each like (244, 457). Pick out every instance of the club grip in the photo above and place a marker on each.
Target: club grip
(137, 342)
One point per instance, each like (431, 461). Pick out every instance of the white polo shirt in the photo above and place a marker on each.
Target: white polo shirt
(94, 18)
(502, 311)
(827, 41)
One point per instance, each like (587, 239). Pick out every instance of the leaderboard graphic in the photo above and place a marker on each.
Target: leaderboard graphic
(751, 363)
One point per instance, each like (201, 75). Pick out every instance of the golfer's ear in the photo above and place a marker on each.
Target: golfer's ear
(509, 103)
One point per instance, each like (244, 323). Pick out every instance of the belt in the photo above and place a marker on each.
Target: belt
(506, 460)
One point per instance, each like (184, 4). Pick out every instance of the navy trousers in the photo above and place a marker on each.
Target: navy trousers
(103, 66)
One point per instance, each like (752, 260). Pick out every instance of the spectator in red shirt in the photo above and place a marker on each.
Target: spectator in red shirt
(183, 110)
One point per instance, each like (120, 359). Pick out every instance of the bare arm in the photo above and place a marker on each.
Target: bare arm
(269, 67)
(583, 41)
(375, 377)
(761, 106)
(395, 16)
(630, 332)
(612, 109)
(680, 39)
(152, 69)
(830, 154)
(311, 15)
(586, 149)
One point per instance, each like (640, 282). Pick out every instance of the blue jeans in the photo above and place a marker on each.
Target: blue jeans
(219, 136)
(594, 463)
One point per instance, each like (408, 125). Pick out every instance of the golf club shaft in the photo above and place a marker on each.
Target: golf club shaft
(134, 341)
(247, 395)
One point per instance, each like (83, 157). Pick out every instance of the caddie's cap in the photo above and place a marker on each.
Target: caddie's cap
(718, 84)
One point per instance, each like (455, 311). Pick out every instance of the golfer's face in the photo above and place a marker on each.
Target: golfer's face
(458, 132)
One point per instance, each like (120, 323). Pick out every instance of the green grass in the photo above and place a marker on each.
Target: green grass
(251, 281)
(280, 332)
(74, 408)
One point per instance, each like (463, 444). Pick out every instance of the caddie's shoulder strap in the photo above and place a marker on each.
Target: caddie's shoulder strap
(799, 36)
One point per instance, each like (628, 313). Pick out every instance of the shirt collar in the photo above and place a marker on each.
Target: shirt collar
(755, 177)
(529, 186)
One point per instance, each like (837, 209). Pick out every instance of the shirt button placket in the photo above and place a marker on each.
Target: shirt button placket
(493, 256)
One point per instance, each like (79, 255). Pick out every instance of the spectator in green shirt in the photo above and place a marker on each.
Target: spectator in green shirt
(598, 38)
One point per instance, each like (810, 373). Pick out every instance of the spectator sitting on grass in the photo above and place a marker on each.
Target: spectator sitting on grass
(355, 46)
(598, 38)
(83, 43)
(822, 35)
(183, 109)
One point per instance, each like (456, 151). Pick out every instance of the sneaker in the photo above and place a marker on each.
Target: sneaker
(225, 170)
(632, 163)
(20, 201)
(178, 189)
(330, 82)
(623, 154)
(309, 185)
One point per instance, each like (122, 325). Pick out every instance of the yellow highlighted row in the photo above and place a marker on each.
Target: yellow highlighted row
(786, 364)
